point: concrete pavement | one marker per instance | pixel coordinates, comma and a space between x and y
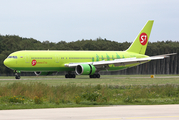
132, 112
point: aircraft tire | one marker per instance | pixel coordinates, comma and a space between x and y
66, 76
91, 76
97, 75
73, 76
17, 77
94, 76
70, 76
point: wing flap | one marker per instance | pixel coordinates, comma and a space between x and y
126, 61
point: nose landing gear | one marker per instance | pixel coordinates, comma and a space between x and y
17, 74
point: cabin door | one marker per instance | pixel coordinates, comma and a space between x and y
27, 59
57, 58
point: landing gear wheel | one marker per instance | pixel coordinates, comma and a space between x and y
91, 76
17, 76
67, 76
70, 76
95, 75
73, 76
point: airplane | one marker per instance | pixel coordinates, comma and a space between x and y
45, 62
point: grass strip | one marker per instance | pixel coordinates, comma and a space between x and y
19, 95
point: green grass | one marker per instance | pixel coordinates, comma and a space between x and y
56, 91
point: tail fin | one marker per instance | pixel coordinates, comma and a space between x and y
140, 43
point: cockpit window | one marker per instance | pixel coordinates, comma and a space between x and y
15, 57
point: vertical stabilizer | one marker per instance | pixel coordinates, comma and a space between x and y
140, 43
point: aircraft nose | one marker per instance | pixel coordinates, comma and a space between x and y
6, 62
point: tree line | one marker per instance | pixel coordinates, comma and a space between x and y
12, 43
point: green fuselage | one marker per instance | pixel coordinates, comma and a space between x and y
29, 60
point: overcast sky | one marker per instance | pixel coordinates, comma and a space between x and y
72, 20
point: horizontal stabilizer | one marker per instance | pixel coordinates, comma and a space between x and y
165, 55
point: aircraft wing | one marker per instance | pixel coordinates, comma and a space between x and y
120, 62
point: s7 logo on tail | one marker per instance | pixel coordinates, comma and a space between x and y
143, 38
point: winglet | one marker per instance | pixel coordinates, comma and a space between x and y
140, 43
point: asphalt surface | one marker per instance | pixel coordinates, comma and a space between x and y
123, 112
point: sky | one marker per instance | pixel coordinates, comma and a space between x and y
72, 20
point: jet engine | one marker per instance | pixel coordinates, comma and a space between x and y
85, 69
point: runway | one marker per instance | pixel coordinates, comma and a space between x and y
103, 77
122, 112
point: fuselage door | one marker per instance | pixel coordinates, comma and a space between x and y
27, 59
57, 58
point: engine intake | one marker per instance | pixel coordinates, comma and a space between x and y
85, 69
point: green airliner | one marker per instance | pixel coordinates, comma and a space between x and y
45, 62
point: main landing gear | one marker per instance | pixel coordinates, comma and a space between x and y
70, 76
95, 75
17, 75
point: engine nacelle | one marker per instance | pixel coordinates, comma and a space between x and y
85, 69
43, 73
